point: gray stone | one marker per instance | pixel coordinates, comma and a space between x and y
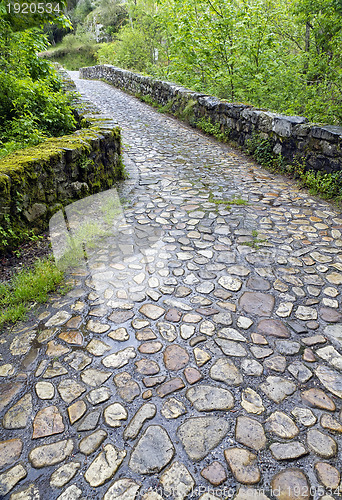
145, 412
300, 371
172, 408
278, 388
29, 493
70, 389
71, 493
210, 398
250, 432
251, 401
90, 443
64, 474
115, 414
321, 444
18, 416
225, 371
230, 348
120, 358
100, 395
283, 426
94, 377
90, 421
330, 379
153, 451
45, 390
200, 435
288, 451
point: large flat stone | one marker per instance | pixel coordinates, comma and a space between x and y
273, 328
330, 379
51, 454
200, 435
210, 398
18, 416
153, 451
257, 303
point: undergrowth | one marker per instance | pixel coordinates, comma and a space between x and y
26, 288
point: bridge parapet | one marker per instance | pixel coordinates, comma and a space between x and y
317, 147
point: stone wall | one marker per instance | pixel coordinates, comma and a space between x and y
318, 146
37, 181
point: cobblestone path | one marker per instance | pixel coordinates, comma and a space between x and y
198, 354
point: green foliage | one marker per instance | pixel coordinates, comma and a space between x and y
282, 55
255, 241
26, 287
13, 236
326, 185
75, 51
214, 129
32, 103
262, 151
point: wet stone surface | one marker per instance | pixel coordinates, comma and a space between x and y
186, 358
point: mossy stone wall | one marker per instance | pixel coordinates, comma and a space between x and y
37, 181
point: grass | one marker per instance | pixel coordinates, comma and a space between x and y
255, 240
28, 287
233, 201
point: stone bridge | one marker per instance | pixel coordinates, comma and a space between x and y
197, 354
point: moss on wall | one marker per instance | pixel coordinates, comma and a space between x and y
35, 182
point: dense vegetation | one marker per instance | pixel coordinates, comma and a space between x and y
283, 55
32, 103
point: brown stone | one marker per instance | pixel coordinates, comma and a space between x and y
291, 484
146, 334
250, 432
175, 357
73, 337
56, 349
243, 465
172, 385
318, 399
330, 315
215, 473
8, 391
192, 375
152, 311
328, 475
257, 283
147, 367
74, 322
10, 451
127, 388
308, 355
273, 328
47, 422
76, 411
150, 347
330, 423
173, 315
152, 381
260, 304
